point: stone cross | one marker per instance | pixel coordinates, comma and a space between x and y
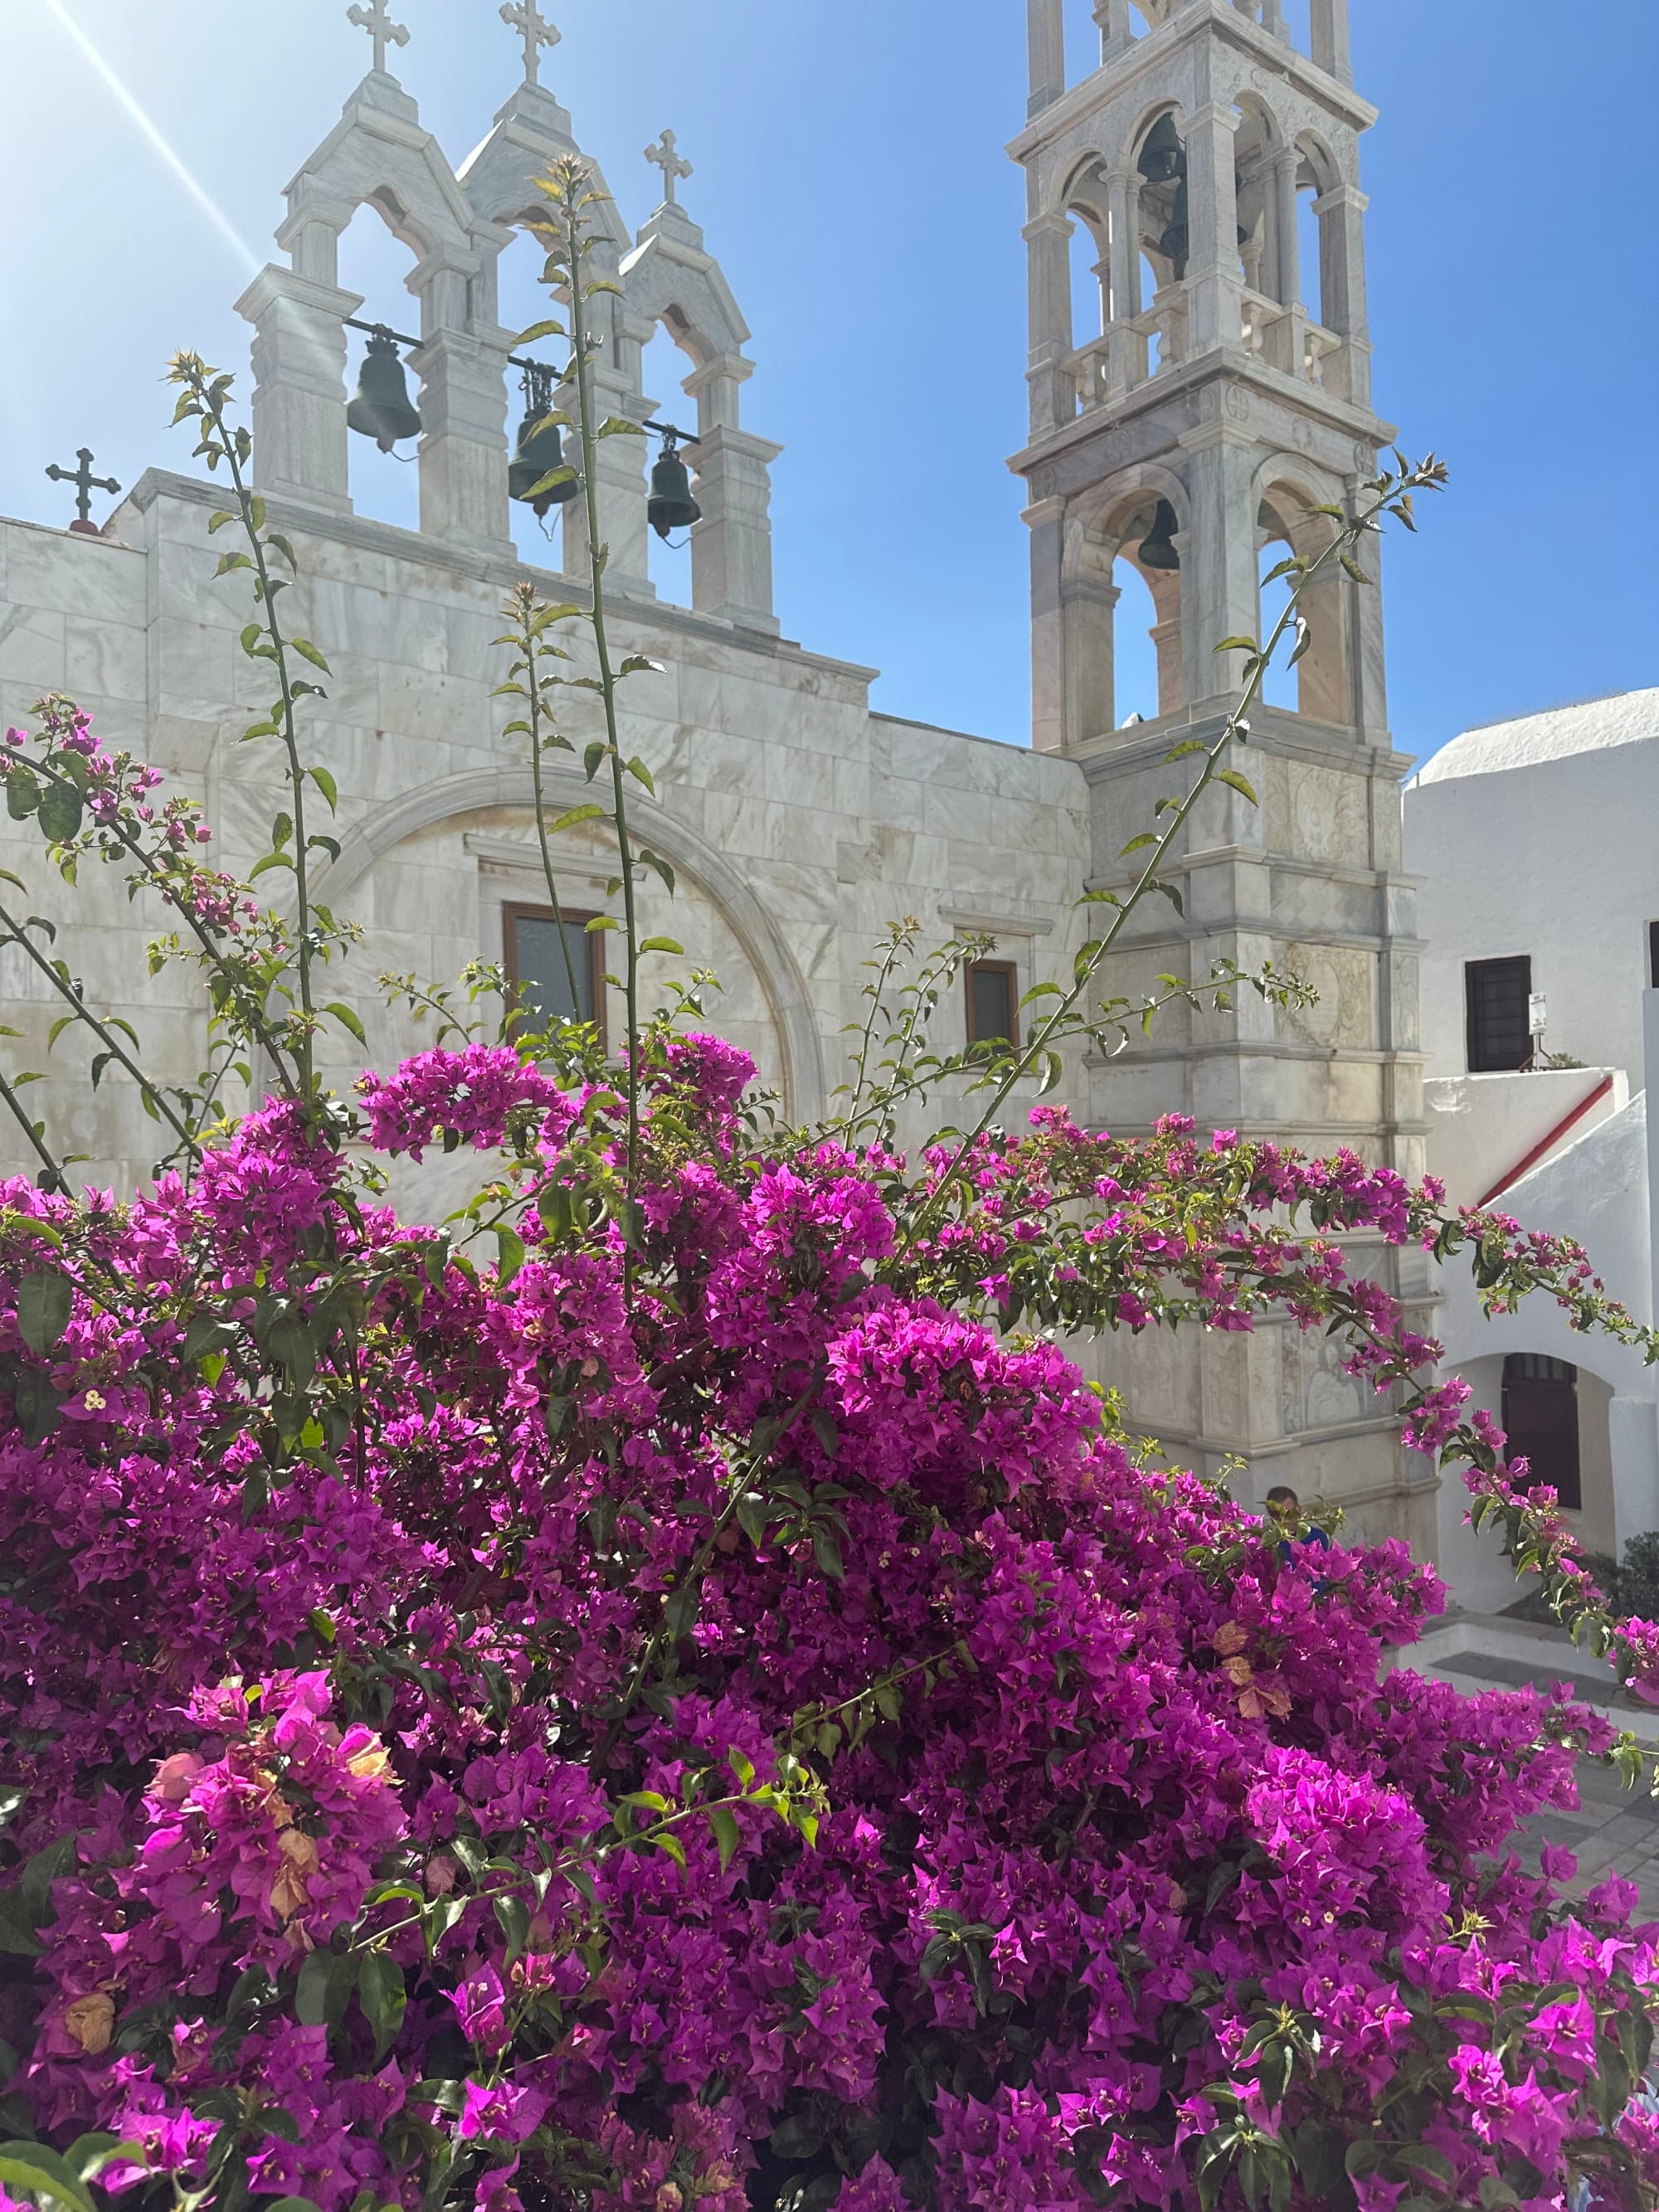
380, 27
85, 484
666, 156
525, 16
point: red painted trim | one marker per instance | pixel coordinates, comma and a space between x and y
1548, 1145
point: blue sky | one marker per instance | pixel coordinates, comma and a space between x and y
851, 178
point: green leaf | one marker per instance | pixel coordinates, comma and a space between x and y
45, 1301
60, 812
1231, 776
573, 815
307, 651
324, 1989
1237, 645
347, 1020
380, 1992
326, 783
661, 945
22, 792
287, 1341
656, 862
43, 2174
229, 562
510, 1248
550, 330
727, 1836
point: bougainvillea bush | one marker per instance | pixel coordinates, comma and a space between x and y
672, 1690
721, 1721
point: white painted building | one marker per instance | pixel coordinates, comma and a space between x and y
1537, 844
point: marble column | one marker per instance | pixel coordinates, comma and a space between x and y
1053, 388
463, 370
1287, 275
1343, 305
1116, 35
1046, 22
299, 389
1047, 524
1330, 39
731, 546
1215, 281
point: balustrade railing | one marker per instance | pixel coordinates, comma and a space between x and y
1146, 346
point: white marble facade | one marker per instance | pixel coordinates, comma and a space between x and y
800, 823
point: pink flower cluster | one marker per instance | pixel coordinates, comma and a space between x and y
399, 1770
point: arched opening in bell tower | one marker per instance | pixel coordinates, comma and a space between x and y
1122, 589
665, 362
1317, 686
375, 260
524, 301
1136, 622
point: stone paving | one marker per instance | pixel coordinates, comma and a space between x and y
1614, 1829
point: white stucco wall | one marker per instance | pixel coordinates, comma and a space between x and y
1481, 1127
1543, 843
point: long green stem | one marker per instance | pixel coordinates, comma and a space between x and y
55, 1179
1022, 1065
532, 649
597, 554
305, 1054
72, 997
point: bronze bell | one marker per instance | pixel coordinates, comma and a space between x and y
1157, 548
540, 452
1163, 158
381, 408
672, 506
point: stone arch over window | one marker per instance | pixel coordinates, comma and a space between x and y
453, 799
1286, 498
1104, 544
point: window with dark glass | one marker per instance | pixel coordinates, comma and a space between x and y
993, 1002
1500, 1032
1541, 1418
1653, 955
540, 969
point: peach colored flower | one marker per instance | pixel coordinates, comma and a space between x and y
89, 2023
175, 1775
291, 1891
371, 1762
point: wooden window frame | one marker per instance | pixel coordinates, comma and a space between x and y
1473, 969
513, 911
1011, 969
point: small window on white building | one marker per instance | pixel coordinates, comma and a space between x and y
539, 969
1541, 1419
993, 1002
1653, 955
1499, 994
